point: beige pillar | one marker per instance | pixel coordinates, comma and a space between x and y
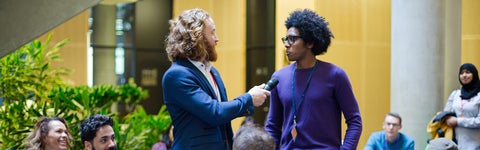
422, 54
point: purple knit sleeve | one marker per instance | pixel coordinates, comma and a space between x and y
349, 107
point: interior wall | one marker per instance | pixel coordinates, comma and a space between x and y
362, 48
230, 20
471, 32
74, 54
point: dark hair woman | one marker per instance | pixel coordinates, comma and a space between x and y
465, 103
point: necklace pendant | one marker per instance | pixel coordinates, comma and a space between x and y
294, 132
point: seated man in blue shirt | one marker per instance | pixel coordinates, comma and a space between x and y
390, 138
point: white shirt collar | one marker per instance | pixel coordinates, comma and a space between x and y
202, 66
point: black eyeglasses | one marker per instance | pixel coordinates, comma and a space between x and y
290, 39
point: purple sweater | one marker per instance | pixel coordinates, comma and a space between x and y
319, 114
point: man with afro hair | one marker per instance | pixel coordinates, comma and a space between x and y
307, 104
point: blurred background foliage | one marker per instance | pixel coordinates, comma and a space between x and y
30, 88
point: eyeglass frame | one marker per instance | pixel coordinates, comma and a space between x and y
291, 39
395, 125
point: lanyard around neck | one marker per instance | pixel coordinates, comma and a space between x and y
304, 91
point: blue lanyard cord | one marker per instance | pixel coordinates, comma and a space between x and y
304, 91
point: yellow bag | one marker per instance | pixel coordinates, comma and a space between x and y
438, 128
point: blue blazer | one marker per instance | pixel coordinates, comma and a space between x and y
200, 120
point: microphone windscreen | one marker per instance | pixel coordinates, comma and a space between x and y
271, 84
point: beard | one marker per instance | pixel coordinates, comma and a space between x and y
110, 148
211, 52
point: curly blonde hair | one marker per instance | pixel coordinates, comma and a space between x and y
186, 38
34, 141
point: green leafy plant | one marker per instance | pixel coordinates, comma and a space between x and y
82, 101
30, 89
25, 76
141, 131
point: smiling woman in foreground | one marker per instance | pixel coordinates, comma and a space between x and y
49, 134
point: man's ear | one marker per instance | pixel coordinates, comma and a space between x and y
309, 45
88, 145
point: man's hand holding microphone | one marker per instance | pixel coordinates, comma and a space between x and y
261, 92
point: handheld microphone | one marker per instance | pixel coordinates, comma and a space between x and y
271, 84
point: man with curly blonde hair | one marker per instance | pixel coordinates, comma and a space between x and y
193, 90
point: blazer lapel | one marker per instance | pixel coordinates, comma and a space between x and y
204, 84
